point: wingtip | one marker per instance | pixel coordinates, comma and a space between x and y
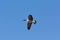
35, 22
24, 20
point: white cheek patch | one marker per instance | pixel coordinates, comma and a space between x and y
33, 21
27, 20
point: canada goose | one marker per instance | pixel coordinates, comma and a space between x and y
30, 20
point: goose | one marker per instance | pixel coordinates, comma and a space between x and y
30, 21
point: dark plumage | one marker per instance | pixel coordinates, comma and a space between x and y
30, 21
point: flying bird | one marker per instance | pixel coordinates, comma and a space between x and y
30, 21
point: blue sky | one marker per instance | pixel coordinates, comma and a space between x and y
46, 12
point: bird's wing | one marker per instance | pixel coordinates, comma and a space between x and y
29, 26
35, 22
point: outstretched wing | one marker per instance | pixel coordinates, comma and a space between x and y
35, 22
29, 26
